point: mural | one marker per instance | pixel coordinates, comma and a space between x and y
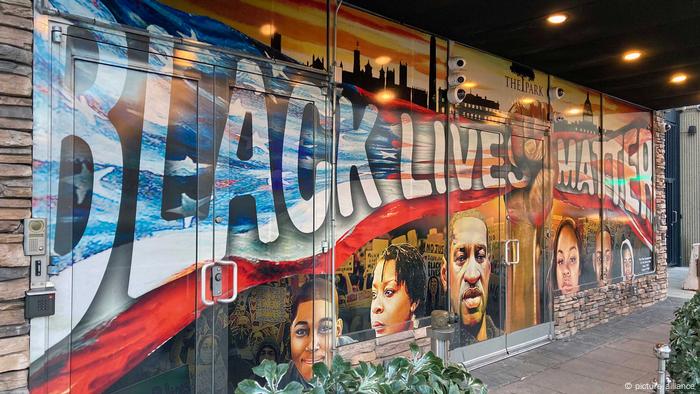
628, 167
581, 260
154, 158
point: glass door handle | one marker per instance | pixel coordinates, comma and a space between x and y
509, 260
203, 283
517, 251
234, 284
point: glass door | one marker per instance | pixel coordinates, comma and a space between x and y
125, 116
476, 278
497, 277
264, 291
526, 286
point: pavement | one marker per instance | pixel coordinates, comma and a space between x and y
676, 277
614, 357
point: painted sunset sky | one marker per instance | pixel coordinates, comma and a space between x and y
302, 25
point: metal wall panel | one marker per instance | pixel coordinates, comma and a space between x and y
690, 181
673, 189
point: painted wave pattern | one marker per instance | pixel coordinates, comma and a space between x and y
86, 114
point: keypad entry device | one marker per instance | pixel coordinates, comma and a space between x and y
40, 302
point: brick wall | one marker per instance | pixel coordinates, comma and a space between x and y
594, 306
15, 187
387, 347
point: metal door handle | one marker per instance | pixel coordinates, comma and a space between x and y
510, 261
517, 252
203, 283
675, 217
234, 284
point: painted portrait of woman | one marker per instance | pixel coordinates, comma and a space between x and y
567, 258
398, 289
312, 329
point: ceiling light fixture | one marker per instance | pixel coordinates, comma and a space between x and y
631, 56
527, 100
678, 78
469, 84
557, 19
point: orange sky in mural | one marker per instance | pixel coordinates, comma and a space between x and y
574, 99
618, 113
379, 37
302, 24
303, 28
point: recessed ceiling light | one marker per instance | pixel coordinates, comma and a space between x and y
469, 84
527, 100
630, 56
678, 78
574, 111
556, 19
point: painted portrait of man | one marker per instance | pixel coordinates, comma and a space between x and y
398, 289
467, 271
567, 258
603, 256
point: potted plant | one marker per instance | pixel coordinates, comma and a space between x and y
684, 362
421, 373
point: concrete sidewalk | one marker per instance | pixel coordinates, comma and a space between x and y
602, 359
676, 278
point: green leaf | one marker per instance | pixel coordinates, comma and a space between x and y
267, 370
292, 388
415, 350
397, 368
321, 371
317, 390
249, 386
339, 365
280, 372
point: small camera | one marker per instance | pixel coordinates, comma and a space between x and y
556, 93
667, 126
456, 95
456, 62
456, 79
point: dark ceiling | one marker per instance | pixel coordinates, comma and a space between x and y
586, 49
